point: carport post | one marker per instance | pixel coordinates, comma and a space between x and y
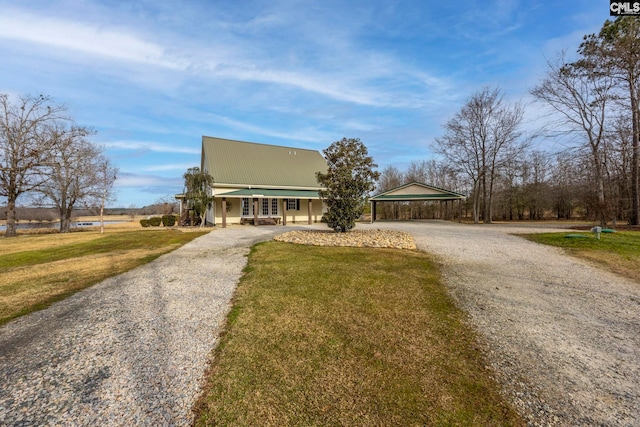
373, 211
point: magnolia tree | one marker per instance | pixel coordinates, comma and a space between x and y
349, 179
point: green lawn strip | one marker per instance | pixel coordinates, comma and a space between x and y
108, 243
617, 252
322, 336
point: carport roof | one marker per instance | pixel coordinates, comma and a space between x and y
416, 191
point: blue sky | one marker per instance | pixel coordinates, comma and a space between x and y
152, 77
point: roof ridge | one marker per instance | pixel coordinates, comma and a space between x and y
261, 144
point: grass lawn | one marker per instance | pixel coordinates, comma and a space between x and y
37, 270
322, 336
617, 252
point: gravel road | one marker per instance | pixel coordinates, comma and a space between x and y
563, 336
130, 351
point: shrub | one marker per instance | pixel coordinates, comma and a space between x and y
168, 220
144, 222
155, 221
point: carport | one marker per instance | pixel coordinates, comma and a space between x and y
417, 191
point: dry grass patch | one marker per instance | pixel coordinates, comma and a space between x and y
26, 242
347, 336
41, 269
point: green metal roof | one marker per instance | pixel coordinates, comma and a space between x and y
430, 193
409, 197
248, 163
272, 193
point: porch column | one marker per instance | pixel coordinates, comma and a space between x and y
255, 211
284, 211
224, 212
373, 211
310, 208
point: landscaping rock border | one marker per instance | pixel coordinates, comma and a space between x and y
354, 238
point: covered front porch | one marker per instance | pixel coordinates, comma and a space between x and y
265, 207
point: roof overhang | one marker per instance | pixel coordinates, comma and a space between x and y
271, 193
416, 191
414, 197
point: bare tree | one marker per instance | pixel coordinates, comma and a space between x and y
390, 178
615, 52
579, 98
73, 176
536, 170
479, 139
25, 146
167, 205
619, 152
133, 211
565, 186
106, 175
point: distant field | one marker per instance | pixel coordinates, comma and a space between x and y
124, 221
617, 252
39, 269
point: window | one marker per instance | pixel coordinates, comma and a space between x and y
293, 204
265, 206
246, 207
274, 206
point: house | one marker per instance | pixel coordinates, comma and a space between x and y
262, 184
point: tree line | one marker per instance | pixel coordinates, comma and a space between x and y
592, 113
44, 154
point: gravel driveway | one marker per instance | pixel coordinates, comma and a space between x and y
564, 337
130, 351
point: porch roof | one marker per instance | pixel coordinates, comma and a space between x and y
272, 193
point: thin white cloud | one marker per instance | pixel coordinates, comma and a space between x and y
333, 88
126, 179
88, 38
169, 167
305, 134
361, 126
151, 146
357, 83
